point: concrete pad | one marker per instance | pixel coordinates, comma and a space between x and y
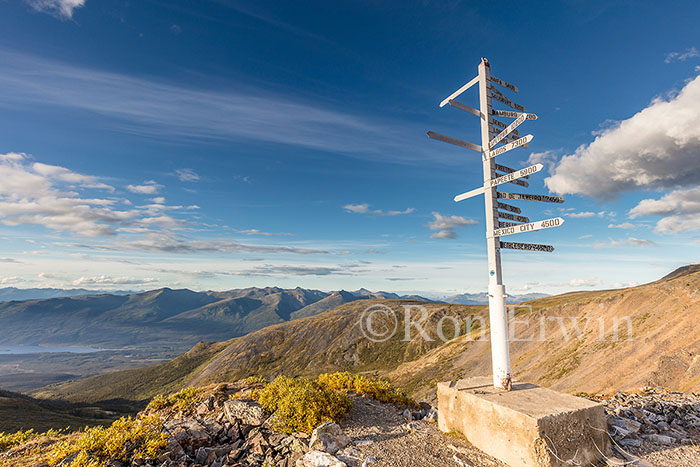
529, 426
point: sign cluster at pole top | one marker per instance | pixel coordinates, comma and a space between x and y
502, 138
498, 138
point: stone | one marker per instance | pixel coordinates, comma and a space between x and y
660, 439
329, 437
630, 442
187, 432
247, 412
526, 426
319, 459
369, 460
431, 415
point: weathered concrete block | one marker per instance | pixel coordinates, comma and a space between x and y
529, 426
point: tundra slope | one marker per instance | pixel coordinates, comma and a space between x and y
660, 350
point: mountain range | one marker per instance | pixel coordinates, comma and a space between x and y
12, 293
650, 336
162, 318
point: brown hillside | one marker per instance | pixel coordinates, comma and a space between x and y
660, 350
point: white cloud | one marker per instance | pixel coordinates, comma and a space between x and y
446, 234
445, 225
365, 209
624, 225
680, 208
10, 280
34, 193
628, 242
691, 52
584, 214
62, 9
187, 175
656, 148
112, 281
149, 187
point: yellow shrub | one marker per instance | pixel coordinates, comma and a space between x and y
378, 390
126, 439
10, 440
255, 379
180, 401
303, 404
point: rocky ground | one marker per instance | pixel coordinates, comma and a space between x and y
650, 428
655, 427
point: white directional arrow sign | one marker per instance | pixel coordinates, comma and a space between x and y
455, 141
513, 175
497, 181
507, 170
529, 227
511, 114
516, 123
505, 148
460, 91
470, 194
466, 108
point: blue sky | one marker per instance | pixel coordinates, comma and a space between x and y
220, 144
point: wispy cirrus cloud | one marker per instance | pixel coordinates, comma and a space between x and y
187, 175
690, 52
265, 234
627, 242
61, 9
162, 110
114, 281
365, 209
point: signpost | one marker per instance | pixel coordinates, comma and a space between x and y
508, 138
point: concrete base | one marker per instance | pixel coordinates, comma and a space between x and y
528, 426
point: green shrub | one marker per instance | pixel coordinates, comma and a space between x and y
302, 404
126, 439
381, 391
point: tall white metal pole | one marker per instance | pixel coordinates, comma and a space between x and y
500, 355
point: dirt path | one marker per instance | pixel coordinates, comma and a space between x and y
381, 432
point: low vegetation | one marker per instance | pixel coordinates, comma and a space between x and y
11, 440
302, 403
382, 391
180, 402
126, 439
298, 403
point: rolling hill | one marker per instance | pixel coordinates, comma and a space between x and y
656, 342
